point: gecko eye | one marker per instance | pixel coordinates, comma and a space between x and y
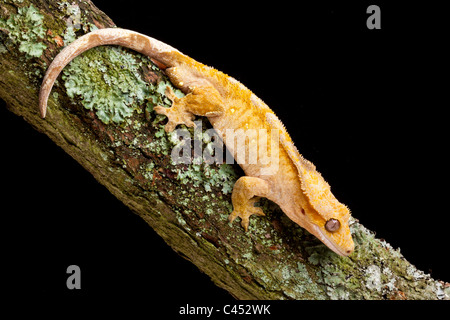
332, 225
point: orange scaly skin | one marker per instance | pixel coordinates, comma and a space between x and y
293, 183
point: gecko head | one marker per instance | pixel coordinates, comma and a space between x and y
320, 212
332, 228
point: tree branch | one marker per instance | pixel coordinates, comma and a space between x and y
100, 112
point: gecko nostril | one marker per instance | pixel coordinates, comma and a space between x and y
303, 210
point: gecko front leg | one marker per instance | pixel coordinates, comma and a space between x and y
177, 114
246, 192
202, 100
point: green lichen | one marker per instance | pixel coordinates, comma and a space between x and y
26, 29
107, 80
74, 15
2, 49
208, 176
374, 271
69, 36
343, 277
223, 177
148, 174
199, 173
73, 21
283, 275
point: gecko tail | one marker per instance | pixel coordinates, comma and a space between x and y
148, 46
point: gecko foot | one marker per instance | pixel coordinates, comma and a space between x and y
177, 114
244, 211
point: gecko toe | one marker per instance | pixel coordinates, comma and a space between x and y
170, 94
233, 215
245, 212
245, 222
189, 123
258, 211
170, 126
244, 219
160, 110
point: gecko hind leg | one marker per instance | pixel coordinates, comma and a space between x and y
246, 192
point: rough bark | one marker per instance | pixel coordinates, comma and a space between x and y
125, 147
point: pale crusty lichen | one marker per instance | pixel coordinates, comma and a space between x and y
373, 278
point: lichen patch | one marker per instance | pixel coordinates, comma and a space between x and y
106, 79
26, 30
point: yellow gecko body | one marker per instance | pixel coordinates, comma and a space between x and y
289, 180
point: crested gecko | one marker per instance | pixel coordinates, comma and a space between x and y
295, 184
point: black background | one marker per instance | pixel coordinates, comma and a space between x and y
365, 106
